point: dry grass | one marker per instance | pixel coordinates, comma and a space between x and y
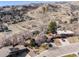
42, 48
70, 55
73, 39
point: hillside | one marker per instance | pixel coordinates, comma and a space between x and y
23, 20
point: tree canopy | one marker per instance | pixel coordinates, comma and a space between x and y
52, 27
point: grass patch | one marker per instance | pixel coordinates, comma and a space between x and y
70, 55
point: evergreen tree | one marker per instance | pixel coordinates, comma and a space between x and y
52, 27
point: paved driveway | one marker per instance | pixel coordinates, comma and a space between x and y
54, 52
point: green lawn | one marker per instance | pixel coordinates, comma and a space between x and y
70, 55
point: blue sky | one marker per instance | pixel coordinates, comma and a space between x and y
5, 3
16, 2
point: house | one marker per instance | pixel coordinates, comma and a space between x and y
65, 32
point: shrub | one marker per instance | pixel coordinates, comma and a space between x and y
45, 46
50, 45
33, 43
72, 20
35, 32
7, 42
